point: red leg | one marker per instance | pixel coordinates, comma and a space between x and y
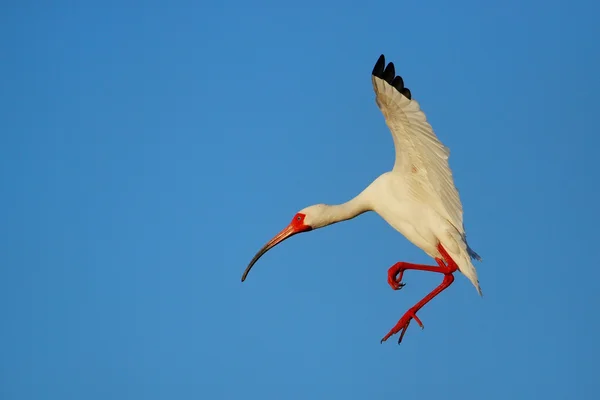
396, 271
395, 280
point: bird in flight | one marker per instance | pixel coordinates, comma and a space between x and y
417, 197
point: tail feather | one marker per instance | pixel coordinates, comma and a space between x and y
472, 254
462, 254
470, 251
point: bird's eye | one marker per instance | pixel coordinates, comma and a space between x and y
298, 218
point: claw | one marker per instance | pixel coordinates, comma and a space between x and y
403, 332
395, 282
402, 325
395, 276
418, 321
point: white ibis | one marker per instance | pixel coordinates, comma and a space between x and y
417, 197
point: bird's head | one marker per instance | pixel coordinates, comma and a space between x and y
305, 220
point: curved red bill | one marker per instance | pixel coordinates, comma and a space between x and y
296, 226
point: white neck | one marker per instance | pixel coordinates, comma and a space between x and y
345, 211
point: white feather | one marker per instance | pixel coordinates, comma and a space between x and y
419, 153
422, 162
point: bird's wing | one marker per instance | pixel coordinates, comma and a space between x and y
420, 156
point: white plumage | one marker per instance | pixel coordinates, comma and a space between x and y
422, 161
420, 157
417, 197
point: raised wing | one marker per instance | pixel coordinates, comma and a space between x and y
420, 156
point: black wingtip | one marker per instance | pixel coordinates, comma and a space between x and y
379, 67
388, 74
398, 83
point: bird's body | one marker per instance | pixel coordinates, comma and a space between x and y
389, 196
417, 197
420, 224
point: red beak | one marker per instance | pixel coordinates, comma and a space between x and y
295, 227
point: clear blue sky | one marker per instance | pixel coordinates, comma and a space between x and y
148, 151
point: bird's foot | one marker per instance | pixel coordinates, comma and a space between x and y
402, 325
395, 276
396, 271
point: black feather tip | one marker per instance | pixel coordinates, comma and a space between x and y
388, 74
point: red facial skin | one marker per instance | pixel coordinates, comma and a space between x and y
296, 226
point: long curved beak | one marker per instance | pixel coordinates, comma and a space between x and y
288, 232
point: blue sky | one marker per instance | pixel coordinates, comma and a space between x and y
147, 152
